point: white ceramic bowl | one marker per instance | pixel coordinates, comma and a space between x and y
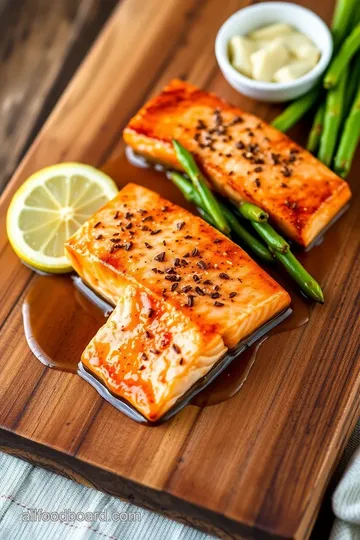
250, 18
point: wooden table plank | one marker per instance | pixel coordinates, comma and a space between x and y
256, 464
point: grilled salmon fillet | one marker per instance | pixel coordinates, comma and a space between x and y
177, 257
244, 158
150, 361
181, 289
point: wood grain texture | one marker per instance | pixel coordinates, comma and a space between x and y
41, 45
256, 465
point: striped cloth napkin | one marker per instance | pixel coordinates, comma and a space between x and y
36, 504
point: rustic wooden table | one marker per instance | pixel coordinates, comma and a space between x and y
41, 45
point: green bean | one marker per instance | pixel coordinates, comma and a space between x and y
252, 212
343, 13
349, 139
341, 61
334, 107
210, 204
296, 110
316, 130
302, 277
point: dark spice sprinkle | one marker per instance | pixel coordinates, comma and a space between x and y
188, 237
251, 134
177, 262
259, 161
217, 240
144, 228
199, 291
115, 247
196, 278
257, 182
202, 265
164, 242
286, 171
195, 252
116, 234
231, 173
116, 215
172, 277
97, 224
240, 145
154, 351
207, 282
275, 158
128, 226
176, 348
216, 287
186, 289
201, 124
114, 240
165, 208
181, 361
157, 231
223, 275
190, 300
170, 270
283, 185
150, 313
128, 246
184, 262
228, 155
99, 237
142, 211
149, 246
232, 294
144, 356
215, 295
147, 334
258, 169
147, 218
160, 257
174, 286
218, 304
129, 215
180, 225
141, 368
187, 255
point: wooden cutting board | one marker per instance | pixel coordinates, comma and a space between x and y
255, 465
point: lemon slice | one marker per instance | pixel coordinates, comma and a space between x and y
49, 207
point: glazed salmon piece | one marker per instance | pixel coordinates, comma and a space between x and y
149, 353
179, 259
245, 158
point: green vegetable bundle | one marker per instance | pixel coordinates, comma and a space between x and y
335, 133
272, 247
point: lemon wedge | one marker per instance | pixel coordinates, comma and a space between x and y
49, 207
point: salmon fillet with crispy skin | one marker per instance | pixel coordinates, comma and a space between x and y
184, 294
244, 158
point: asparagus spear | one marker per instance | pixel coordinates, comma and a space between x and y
316, 130
209, 202
253, 212
334, 106
186, 187
349, 139
305, 281
341, 61
343, 13
296, 110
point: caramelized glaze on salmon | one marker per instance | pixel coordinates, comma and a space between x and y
171, 274
245, 158
153, 360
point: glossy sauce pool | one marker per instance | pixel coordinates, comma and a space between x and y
61, 315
